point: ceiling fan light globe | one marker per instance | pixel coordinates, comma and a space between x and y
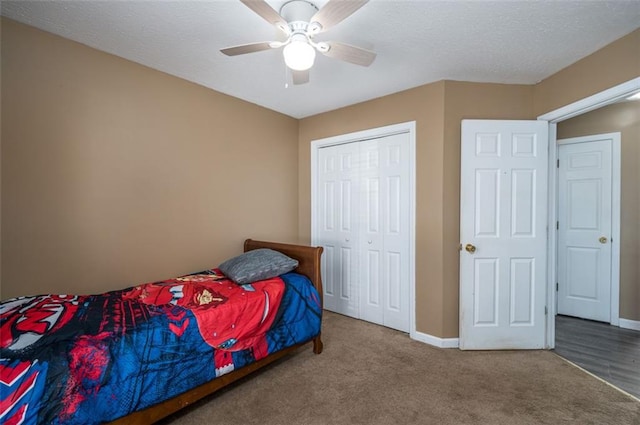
299, 55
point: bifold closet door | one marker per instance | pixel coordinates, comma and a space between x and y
363, 211
338, 179
384, 231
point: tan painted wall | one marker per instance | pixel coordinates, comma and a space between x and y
95, 184
114, 174
614, 64
621, 117
468, 101
424, 105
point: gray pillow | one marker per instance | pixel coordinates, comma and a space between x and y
258, 264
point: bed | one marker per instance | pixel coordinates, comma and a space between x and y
137, 355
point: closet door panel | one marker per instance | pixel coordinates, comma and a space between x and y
371, 239
327, 232
338, 204
394, 177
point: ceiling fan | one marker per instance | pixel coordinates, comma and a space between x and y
300, 21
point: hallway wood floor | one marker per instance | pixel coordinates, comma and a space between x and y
608, 352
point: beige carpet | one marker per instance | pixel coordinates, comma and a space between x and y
369, 374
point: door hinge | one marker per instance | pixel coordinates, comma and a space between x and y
558, 163
556, 286
557, 225
545, 310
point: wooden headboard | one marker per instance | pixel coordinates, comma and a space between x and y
307, 256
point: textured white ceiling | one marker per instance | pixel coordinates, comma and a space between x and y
417, 42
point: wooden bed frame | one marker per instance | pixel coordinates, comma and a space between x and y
309, 265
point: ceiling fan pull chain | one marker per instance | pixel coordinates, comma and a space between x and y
286, 76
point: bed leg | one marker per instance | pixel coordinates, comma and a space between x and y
317, 345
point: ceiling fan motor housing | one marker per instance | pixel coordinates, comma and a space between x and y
298, 10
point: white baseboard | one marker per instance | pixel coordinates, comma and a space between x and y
629, 324
454, 342
435, 341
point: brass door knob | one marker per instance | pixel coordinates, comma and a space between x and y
602, 239
470, 248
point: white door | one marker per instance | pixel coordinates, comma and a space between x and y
338, 180
584, 228
384, 231
503, 233
363, 225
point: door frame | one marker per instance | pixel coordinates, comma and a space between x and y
375, 133
590, 103
614, 317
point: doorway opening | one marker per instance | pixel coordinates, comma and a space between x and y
591, 103
588, 226
608, 346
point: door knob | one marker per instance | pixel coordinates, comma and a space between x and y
602, 239
470, 248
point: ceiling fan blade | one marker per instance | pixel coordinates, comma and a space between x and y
348, 53
334, 12
300, 77
267, 13
246, 48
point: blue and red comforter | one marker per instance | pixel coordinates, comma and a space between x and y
95, 358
